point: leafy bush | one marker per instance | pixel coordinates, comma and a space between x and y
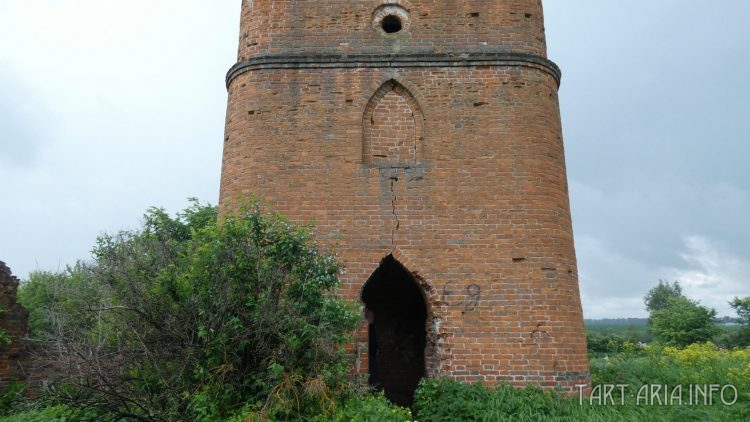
742, 307
741, 337
677, 320
50, 296
609, 344
683, 321
658, 297
187, 318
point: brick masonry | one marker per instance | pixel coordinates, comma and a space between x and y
439, 145
13, 320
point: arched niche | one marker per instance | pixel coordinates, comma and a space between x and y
393, 128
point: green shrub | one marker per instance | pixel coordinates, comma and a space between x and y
609, 344
189, 318
741, 337
68, 294
683, 321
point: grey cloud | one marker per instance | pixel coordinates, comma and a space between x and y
23, 121
655, 119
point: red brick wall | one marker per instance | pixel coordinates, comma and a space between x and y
13, 321
345, 26
454, 166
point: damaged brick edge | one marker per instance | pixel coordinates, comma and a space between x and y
14, 321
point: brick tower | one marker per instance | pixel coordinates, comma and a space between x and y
423, 139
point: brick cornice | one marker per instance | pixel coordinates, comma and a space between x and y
349, 61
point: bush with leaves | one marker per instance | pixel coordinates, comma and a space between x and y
54, 300
609, 344
658, 297
683, 322
189, 318
676, 320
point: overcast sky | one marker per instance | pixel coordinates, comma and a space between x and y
109, 107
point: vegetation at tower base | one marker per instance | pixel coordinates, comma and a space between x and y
187, 319
190, 319
444, 400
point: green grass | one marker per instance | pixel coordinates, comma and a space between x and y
444, 400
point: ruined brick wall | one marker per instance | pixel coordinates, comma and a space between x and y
13, 321
440, 145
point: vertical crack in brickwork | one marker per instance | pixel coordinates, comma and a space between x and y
394, 198
473, 135
415, 136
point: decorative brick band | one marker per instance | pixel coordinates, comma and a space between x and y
340, 61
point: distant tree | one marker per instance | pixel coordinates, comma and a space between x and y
742, 307
683, 322
49, 296
658, 297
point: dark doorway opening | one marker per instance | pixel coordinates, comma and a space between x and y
397, 314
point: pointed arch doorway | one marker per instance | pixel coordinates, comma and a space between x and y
396, 311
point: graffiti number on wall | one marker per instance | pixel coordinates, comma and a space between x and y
468, 299
475, 295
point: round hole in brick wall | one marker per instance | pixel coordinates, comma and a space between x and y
391, 24
391, 19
